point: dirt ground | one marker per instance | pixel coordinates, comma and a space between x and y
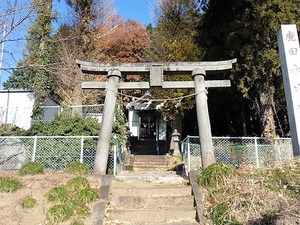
37, 186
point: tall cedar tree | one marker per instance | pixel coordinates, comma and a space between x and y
84, 14
247, 30
173, 40
34, 68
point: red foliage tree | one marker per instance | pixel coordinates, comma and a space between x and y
125, 43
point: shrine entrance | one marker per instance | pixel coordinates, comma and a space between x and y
147, 127
155, 72
146, 143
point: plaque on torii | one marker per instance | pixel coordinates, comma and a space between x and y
155, 71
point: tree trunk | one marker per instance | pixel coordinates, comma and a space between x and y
244, 124
266, 114
77, 100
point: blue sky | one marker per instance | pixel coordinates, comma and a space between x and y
139, 10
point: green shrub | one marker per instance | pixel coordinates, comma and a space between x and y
31, 168
76, 195
66, 123
58, 155
8, 184
77, 168
119, 126
28, 202
221, 215
214, 174
85, 196
129, 167
110, 172
59, 213
78, 183
9, 130
58, 194
83, 212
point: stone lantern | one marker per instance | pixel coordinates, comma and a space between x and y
175, 143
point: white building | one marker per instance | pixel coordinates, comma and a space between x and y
16, 107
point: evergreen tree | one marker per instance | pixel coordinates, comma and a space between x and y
84, 17
173, 40
33, 72
246, 30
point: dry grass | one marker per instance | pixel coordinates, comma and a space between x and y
266, 195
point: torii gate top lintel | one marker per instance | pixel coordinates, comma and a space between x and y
145, 67
156, 71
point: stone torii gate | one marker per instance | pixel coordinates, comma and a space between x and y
114, 71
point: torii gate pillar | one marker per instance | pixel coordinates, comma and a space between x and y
107, 122
208, 156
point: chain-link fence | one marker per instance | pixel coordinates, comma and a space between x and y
238, 151
55, 153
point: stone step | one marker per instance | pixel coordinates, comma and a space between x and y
167, 223
151, 215
132, 190
150, 197
150, 177
150, 157
150, 163
150, 168
156, 158
159, 202
148, 173
145, 184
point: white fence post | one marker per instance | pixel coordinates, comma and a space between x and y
115, 158
277, 151
189, 155
256, 152
81, 149
34, 148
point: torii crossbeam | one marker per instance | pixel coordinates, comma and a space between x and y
114, 71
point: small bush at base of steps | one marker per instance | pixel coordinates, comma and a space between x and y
221, 215
8, 184
28, 202
214, 175
59, 213
77, 168
31, 168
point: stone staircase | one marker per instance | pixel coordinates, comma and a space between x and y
150, 163
150, 195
